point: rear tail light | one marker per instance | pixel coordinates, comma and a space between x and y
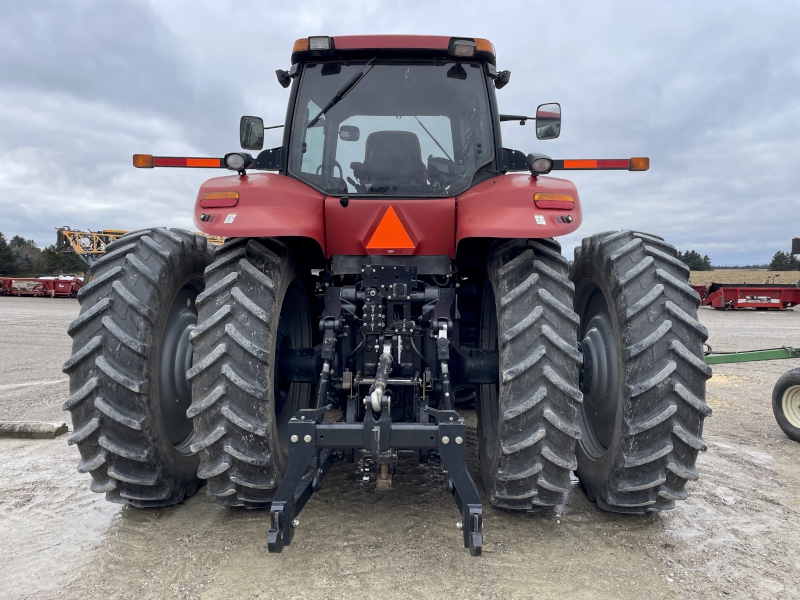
558, 201
219, 199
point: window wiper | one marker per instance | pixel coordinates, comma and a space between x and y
343, 91
433, 138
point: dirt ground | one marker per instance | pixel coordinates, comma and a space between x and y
744, 276
738, 535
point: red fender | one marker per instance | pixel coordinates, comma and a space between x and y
503, 207
270, 205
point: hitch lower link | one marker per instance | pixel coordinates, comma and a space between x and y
314, 446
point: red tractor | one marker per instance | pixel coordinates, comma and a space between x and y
388, 259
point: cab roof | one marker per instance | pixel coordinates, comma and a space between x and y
390, 45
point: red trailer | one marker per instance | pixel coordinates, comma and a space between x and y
52, 287
61, 287
22, 286
736, 296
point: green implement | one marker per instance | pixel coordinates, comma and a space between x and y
719, 358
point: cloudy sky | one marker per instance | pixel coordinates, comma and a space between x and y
709, 90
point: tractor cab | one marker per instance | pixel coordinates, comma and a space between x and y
395, 120
404, 128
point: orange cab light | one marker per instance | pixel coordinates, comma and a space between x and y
219, 199
300, 45
641, 163
482, 45
143, 161
548, 200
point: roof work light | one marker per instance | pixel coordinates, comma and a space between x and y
462, 48
320, 42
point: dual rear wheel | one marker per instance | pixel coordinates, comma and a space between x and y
626, 411
173, 376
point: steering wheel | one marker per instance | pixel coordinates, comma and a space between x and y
335, 164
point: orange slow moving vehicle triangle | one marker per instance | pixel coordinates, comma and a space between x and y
390, 233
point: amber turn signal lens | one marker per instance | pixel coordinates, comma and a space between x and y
143, 161
548, 200
219, 199
300, 45
641, 163
482, 45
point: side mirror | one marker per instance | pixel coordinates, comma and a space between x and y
251, 133
283, 78
502, 79
349, 133
548, 121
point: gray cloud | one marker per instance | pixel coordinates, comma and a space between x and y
707, 90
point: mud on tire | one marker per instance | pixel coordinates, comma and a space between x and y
643, 377
127, 373
527, 425
254, 306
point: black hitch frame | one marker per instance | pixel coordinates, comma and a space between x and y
314, 446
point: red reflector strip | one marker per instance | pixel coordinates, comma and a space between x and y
219, 199
554, 204
174, 161
219, 202
613, 163
550, 200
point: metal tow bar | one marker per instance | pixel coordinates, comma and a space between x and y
314, 446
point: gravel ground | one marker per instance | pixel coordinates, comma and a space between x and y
738, 535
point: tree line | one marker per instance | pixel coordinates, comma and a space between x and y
781, 261
695, 261
23, 258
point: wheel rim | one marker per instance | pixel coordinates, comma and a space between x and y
176, 358
791, 405
294, 331
599, 376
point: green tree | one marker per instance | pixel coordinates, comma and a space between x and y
695, 261
51, 262
26, 254
783, 261
8, 262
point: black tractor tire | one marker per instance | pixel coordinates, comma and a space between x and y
255, 304
643, 376
129, 392
527, 424
786, 403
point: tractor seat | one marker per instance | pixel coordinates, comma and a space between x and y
391, 156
